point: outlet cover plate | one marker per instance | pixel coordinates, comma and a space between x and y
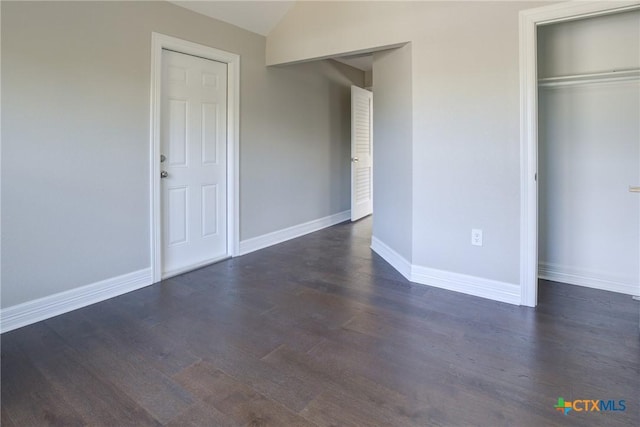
476, 237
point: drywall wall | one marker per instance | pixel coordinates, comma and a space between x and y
465, 117
295, 148
75, 134
589, 154
604, 43
317, 29
392, 148
466, 172
368, 78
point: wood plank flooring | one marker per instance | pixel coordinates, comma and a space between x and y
319, 331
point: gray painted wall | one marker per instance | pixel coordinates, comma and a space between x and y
465, 116
589, 45
467, 138
75, 133
392, 148
589, 145
295, 148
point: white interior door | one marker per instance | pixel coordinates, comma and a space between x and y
193, 162
361, 153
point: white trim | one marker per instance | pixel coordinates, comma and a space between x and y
471, 285
587, 278
30, 312
279, 236
590, 79
0, 163
396, 260
528, 162
529, 21
159, 42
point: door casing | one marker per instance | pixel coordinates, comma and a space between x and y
158, 43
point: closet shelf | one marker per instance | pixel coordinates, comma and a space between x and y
581, 79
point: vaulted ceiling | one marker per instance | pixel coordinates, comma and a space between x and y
256, 16
259, 17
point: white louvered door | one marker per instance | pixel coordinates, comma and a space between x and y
194, 162
361, 153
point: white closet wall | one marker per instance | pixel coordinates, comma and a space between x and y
589, 153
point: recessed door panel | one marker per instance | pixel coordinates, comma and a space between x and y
210, 211
178, 132
209, 133
177, 216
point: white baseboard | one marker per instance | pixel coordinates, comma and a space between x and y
44, 308
279, 236
30, 312
587, 278
471, 285
396, 260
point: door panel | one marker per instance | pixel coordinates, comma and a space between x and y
177, 215
209, 210
361, 153
177, 153
210, 141
193, 140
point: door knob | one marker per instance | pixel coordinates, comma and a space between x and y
634, 189
164, 174
355, 159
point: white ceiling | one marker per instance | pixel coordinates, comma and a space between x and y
256, 16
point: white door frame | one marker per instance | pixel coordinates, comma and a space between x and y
159, 42
529, 21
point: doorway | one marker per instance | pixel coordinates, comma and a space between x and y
361, 136
193, 156
589, 152
530, 20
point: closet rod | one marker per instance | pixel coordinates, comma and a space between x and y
610, 76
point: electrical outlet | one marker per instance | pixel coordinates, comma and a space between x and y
476, 237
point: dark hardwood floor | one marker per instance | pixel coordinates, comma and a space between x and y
321, 331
